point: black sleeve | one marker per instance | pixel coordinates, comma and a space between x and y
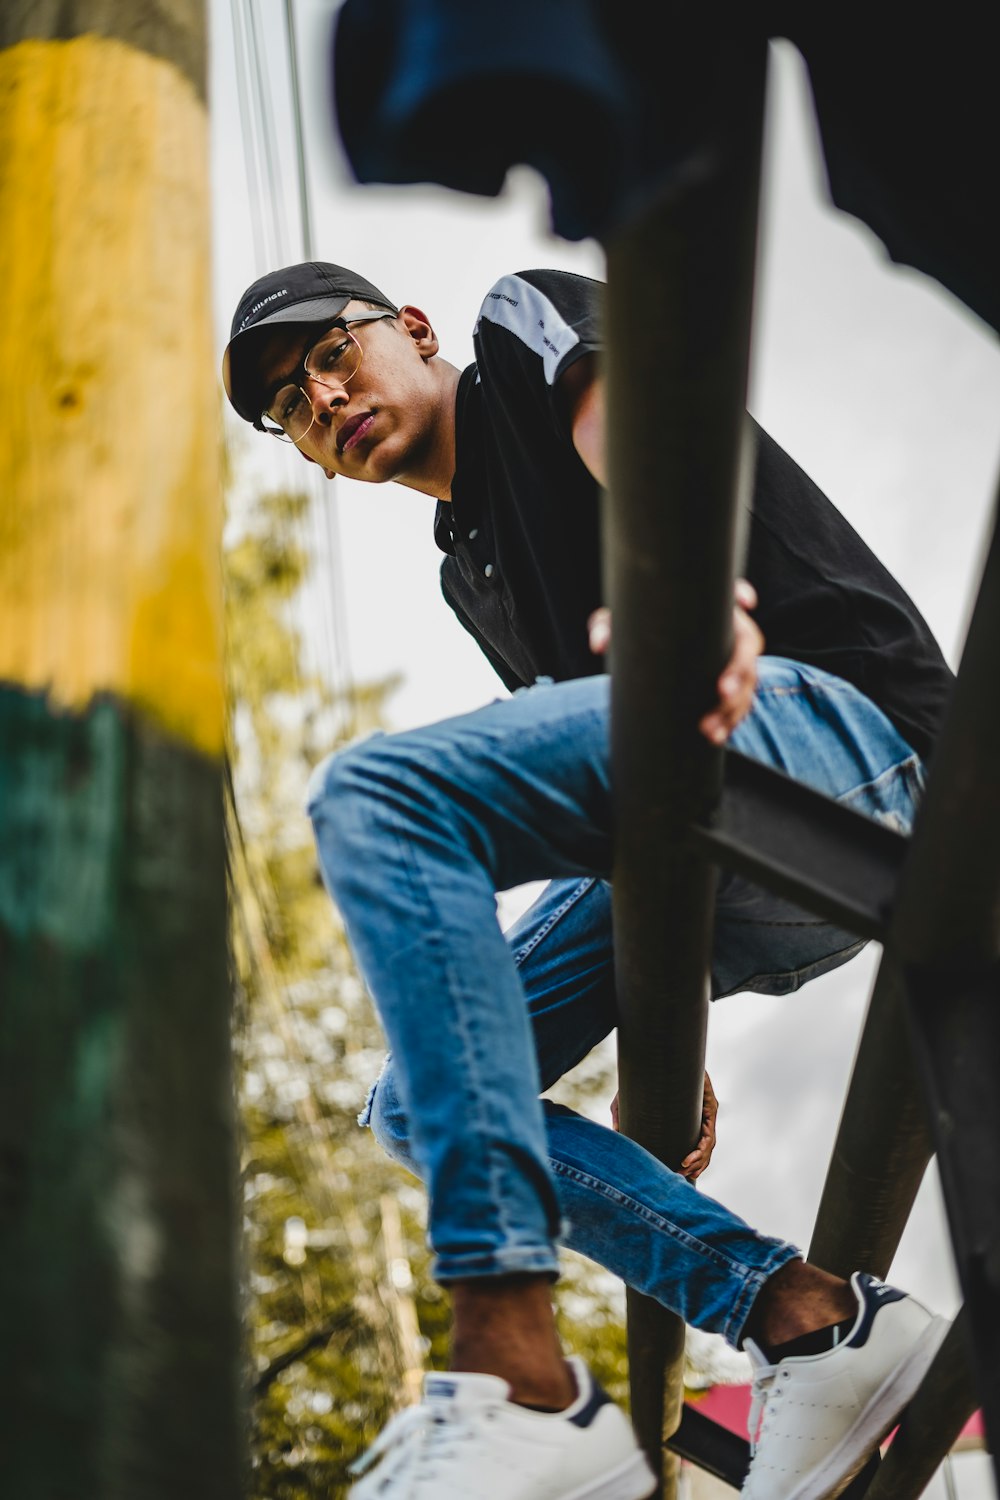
827, 600
504, 671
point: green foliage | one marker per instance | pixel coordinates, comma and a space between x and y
324, 1352
340, 1304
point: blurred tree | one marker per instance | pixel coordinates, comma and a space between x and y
333, 1322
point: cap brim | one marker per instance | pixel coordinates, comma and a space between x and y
311, 310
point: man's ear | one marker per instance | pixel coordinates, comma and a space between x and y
418, 327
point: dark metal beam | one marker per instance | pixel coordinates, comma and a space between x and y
947, 930
949, 899
933, 1420
933, 1034
955, 1019
711, 1446
790, 838
679, 291
868, 1193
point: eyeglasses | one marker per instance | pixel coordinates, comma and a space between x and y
332, 361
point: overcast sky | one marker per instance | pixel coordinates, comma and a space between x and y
879, 383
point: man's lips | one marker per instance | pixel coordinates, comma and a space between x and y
354, 430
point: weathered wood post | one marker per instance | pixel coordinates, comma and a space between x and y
119, 1323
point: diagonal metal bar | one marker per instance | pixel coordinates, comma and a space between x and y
870, 1188
949, 901
790, 838
933, 1420
711, 1446
947, 930
955, 1019
702, 1441
929, 1056
679, 293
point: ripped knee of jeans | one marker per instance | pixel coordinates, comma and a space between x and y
365, 1115
383, 1115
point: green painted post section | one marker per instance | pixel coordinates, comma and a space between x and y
117, 1188
119, 1317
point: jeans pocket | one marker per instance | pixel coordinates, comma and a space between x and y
891, 799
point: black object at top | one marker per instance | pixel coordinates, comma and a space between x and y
906, 113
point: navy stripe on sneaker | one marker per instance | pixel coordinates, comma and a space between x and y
874, 1294
588, 1411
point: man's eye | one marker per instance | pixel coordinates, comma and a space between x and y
333, 354
288, 403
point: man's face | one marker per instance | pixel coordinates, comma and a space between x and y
376, 425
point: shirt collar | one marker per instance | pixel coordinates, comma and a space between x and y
468, 454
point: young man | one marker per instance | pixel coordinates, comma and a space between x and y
417, 831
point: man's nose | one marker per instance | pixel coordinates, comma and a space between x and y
324, 396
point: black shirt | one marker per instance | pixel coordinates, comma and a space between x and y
522, 531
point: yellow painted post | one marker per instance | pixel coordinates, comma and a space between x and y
119, 1329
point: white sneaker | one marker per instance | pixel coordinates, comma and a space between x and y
467, 1441
816, 1419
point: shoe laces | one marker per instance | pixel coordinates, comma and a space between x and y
764, 1391
418, 1437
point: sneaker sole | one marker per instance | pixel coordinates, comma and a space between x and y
632, 1480
879, 1417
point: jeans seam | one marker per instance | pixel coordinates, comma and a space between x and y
731, 921
771, 977
576, 895
808, 686
650, 1215
750, 1278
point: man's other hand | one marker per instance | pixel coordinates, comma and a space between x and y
697, 1160
739, 676
599, 630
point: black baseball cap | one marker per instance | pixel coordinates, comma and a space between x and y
310, 292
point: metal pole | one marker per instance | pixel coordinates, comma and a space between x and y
947, 930
868, 1194
120, 1329
678, 310
936, 1002
931, 1423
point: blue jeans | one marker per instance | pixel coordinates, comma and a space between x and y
416, 832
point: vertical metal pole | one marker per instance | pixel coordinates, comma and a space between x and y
120, 1328
678, 311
